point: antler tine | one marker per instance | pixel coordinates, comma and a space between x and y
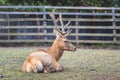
61, 21
68, 23
69, 29
54, 20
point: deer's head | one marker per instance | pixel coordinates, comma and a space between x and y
61, 35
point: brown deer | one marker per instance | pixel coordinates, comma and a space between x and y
47, 60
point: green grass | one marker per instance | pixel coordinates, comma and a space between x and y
84, 64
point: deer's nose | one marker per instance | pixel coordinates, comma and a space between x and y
74, 49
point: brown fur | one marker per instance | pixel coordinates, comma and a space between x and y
54, 53
47, 60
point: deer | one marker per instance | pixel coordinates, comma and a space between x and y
46, 60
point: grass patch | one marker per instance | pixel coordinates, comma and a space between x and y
84, 64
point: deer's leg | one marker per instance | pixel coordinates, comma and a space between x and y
34, 69
53, 67
58, 67
28, 67
37, 66
49, 69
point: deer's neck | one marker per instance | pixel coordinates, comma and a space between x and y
55, 51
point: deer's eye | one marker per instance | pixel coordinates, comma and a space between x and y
67, 42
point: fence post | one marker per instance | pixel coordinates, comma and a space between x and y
44, 23
114, 25
8, 24
77, 31
44, 16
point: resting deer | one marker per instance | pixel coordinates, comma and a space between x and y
47, 60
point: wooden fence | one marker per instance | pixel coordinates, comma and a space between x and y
33, 24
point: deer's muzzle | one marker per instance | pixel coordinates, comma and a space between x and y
73, 49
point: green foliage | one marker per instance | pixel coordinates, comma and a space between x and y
99, 3
3, 2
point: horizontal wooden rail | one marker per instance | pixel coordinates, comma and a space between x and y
64, 19
51, 27
45, 41
25, 34
96, 41
52, 34
22, 19
62, 7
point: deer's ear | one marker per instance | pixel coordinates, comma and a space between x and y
58, 32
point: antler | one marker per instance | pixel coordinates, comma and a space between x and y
54, 21
61, 21
53, 18
62, 24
